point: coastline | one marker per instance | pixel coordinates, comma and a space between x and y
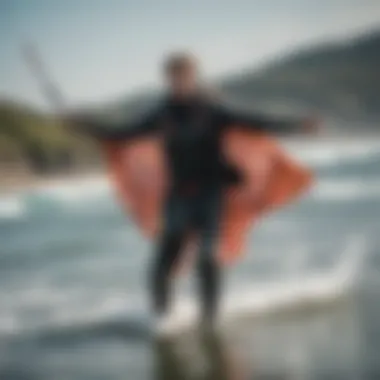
18, 183
15, 179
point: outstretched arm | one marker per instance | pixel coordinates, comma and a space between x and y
229, 116
108, 131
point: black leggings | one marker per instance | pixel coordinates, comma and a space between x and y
199, 213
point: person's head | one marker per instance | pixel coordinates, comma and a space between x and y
181, 72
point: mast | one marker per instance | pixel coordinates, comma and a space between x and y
49, 89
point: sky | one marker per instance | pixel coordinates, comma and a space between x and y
100, 49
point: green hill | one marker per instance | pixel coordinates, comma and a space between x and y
341, 78
38, 141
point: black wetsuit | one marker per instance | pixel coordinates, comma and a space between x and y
192, 132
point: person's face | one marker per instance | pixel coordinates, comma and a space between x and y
182, 82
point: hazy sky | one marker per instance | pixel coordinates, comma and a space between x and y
98, 49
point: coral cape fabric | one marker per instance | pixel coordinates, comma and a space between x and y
270, 179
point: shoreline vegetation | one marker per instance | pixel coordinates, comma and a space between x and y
35, 148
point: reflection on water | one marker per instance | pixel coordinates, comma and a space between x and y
326, 345
209, 358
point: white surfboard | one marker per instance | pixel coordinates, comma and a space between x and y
311, 289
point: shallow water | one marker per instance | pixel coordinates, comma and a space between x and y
303, 304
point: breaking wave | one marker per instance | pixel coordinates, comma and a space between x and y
12, 207
69, 313
346, 189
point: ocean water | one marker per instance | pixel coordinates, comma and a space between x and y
302, 304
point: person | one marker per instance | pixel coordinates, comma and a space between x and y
192, 123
